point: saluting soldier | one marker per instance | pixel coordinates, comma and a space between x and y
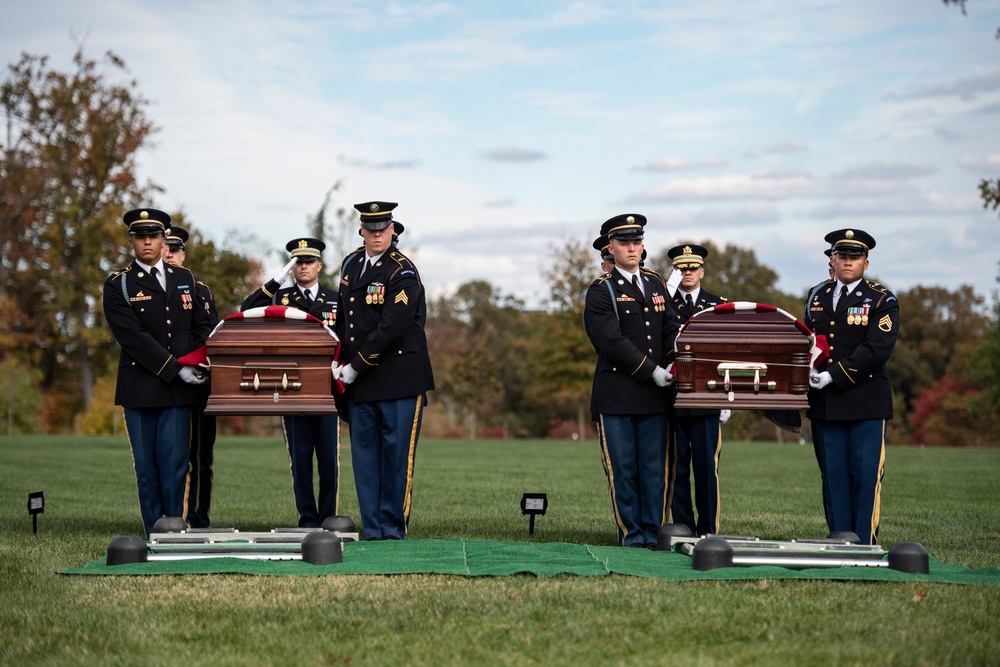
850, 398
306, 435
151, 309
698, 436
387, 371
198, 496
630, 322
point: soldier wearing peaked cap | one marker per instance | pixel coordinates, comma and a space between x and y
603, 246
198, 491
386, 369
630, 322
150, 308
850, 398
307, 435
698, 436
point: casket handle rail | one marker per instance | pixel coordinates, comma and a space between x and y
256, 384
735, 369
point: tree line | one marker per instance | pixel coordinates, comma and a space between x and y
68, 171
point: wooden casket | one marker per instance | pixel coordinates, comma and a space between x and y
271, 364
743, 356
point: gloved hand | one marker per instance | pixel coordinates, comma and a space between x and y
280, 276
336, 369
819, 380
724, 416
348, 374
662, 377
191, 376
674, 280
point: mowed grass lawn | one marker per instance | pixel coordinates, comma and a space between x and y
948, 500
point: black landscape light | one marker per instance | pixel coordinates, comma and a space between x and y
534, 504
36, 505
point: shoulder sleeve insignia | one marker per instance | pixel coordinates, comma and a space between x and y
885, 324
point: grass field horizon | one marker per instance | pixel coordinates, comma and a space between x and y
946, 499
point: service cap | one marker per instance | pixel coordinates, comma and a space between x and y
376, 215
146, 221
624, 227
688, 256
305, 248
854, 242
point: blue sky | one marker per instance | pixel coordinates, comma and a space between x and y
503, 129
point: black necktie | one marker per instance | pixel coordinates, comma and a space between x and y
690, 302
154, 272
840, 299
308, 295
364, 269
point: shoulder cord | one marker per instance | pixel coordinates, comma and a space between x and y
614, 304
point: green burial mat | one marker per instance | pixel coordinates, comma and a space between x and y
481, 558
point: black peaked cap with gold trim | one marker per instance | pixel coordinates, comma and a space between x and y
176, 237
854, 242
688, 256
306, 247
376, 215
624, 227
146, 221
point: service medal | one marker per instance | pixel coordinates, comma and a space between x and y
368, 299
850, 319
864, 320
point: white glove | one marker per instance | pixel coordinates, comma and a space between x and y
662, 377
191, 376
819, 380
674, 280
348, 374
724, 416
336, 369
280, 276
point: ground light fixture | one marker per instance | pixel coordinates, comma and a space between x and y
36, 505
533, 504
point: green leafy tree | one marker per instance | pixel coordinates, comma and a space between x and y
68, 171
340, 234
561, 357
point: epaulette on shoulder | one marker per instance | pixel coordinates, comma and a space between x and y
400, 258
121, 271
876, 286
650, 272
601, 278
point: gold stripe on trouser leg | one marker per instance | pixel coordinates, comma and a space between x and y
131, 452
192, 469
409, 462
670, 473
336, 496
877, 504
288, 450
718, 496
610, 473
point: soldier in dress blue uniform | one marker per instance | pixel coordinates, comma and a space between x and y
387, 371
850, 398
632, 325
151, 310
698, 436
603, 246
306, 435
198, 495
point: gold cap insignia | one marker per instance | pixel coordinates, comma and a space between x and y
687, 250
849, 233
373, 208
143, 215
630, 220
303, 243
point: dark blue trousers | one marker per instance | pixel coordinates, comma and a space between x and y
160, 440
305, 436
699, 445
384, 438
853, 464
199, 486
634, 454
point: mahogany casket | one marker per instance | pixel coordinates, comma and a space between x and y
743, 356
274, 364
